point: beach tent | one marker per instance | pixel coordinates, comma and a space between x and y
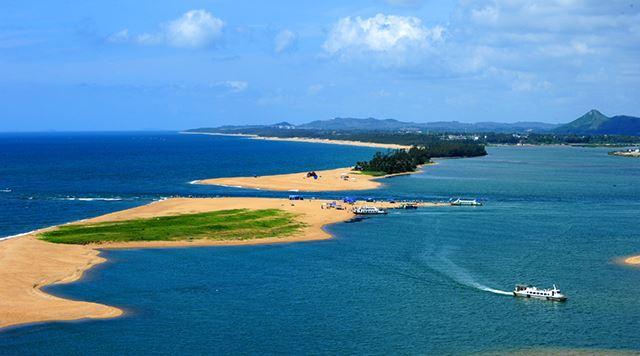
349, 200
296, 197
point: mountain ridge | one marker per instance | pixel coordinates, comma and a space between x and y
591, 123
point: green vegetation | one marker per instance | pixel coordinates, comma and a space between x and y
401, 161
558, 139
442, 140
239, 224
374, 173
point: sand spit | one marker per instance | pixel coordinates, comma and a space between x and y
27, 264
328, 180
391, 146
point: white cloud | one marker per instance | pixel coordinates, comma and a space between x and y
381, 34
554, 38
194, 29
119, 37
148, 39
284, 40
236, 86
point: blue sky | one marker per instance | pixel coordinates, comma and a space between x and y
130, 65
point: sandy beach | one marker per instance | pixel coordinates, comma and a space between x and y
328, 180
391, 146
27, 263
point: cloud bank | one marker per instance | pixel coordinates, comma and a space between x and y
388, 36
194, 29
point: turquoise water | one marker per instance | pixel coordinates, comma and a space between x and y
411, 282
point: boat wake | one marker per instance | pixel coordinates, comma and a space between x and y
441, 263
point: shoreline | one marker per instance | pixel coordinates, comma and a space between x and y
27, 264
391, 146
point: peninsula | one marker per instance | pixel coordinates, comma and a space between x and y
30, 262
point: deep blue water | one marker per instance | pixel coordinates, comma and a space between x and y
57, 178
411, 282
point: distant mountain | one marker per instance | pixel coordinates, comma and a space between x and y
596, 123
279, 125
369, 124
591, 123
348, 123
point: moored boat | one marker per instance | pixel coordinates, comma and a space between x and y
368, 210
529, 291
466, 202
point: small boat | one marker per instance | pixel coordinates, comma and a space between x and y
530, 291
466, 202
368, 210
7, 190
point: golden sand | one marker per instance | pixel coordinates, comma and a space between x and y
328, 180
635, 260
27, 263
309, 140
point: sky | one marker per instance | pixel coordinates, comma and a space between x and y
169, 65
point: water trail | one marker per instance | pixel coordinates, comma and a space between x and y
441, 263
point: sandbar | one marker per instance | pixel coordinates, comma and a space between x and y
27, 264
391, 146
328, 180
634, 260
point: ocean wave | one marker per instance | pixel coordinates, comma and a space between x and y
91, 199
17, 235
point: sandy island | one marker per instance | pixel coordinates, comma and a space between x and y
328, 180
392, 146
634, 260
27, 263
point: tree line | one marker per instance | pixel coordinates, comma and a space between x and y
401, 161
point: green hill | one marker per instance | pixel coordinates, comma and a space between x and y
596, 123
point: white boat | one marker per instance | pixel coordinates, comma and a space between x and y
466, 202
368, 210
530, 291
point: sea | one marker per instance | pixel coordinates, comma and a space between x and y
426, 281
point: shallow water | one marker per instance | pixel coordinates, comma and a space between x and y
411, 282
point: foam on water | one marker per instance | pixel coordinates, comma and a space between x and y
91, 199
17, 235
